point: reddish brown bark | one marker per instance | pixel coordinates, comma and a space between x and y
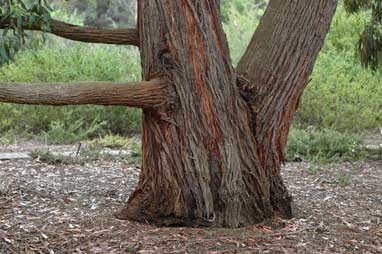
148, 94
200, 167
212, 157
276, 68
217, 161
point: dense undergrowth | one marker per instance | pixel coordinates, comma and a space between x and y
341, 104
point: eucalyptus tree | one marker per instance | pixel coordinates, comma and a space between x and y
213, 136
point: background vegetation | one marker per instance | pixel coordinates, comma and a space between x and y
341, 105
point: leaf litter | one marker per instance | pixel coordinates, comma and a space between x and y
70, 209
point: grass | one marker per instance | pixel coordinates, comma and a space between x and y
344, 179
53, 159
313, 170
112, 141
66, 63
327, 145
123, 149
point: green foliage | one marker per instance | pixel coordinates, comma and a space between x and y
313, 170
354, 6
75, 61
240, 23
94, 151
65, 62
344, 179
50, 158
61, 132
112, 141
136, 150
322, 145
131, 145
369, 46
85, 156
342, 95
19, 13
341, 103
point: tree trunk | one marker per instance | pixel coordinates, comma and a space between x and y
276, 68
208, 159
213, 138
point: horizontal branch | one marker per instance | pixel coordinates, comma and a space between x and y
81, 33
145, 94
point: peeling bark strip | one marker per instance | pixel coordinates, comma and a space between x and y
83, 34
148, 94
278, 63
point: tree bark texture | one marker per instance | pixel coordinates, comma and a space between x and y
213, 138
213, 158
79, 33
274, 71
148, 94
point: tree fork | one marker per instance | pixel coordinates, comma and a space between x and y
147, 94
280, 59
79, 33
199, 168
214, 156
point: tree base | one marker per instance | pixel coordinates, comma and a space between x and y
146, 208
143, 211
281, 200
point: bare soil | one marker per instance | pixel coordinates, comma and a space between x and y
70, 209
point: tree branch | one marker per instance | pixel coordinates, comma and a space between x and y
80, 33
146, 94
278, 63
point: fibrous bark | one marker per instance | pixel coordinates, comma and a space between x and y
275, 69
212, 149
80, 33
217, 161
148, 94
200, 167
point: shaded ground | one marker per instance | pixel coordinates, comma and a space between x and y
69, 209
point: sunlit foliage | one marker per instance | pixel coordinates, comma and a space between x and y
19, 13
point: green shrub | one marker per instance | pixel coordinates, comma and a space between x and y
239, 25
112, 141
53, 159
118, 142
322, 145
61, 132
66, 63
341, 98
70, 61
342, 95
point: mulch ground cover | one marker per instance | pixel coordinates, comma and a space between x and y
70, 209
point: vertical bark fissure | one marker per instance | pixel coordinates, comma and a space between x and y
278, 63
